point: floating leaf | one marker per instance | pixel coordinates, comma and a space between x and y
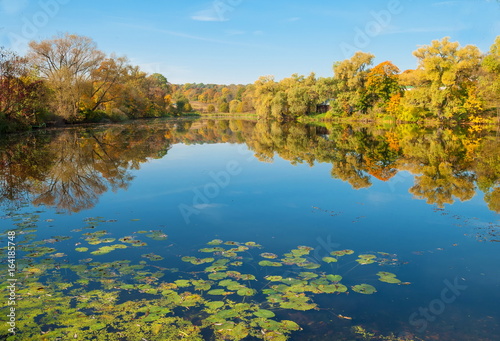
217, 276
342, 253
152, 257
366, 289
246, 292
269, 255
215, 242
82, 249
364, 261
334, 278
329, 259
157, 235
182, 283
274, 278
214, 305
264, 313
269, 263
218, 292
212, 249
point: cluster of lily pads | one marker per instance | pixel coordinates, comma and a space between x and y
232, 289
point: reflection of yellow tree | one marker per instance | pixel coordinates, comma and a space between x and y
439, 160
487, 168
75, 167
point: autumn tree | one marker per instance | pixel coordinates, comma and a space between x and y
21, 94
489, 85
382, 83
67, 63
350, 86
448, 72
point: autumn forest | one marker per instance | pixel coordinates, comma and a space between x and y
67, 79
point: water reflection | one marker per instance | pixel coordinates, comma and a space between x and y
70, 169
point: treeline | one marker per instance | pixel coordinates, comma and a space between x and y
451, 82
67, 79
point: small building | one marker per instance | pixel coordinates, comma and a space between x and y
324, 107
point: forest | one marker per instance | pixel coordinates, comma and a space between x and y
67, 79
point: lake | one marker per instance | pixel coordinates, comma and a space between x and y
233, 229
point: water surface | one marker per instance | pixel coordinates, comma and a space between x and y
423, 202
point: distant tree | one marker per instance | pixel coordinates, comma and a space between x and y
224, 107
234, 106
211, 108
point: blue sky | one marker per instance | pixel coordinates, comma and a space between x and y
236, 41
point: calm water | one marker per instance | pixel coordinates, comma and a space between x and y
423, 202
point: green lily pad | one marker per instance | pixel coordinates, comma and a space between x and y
268, 255
214, 304
212, 249
264, 313
334, 278
217, 276
364, 261
330, 259
274, 278
218, 292
269, 263
366, 289
246, 292
182, 283
81, 249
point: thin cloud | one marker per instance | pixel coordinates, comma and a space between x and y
293, 19
208, 15
189, 36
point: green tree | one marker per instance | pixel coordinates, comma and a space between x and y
350, 83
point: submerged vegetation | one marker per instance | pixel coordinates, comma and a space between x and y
225, 295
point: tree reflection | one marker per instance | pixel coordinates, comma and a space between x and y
70, 169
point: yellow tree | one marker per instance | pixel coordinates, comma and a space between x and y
448, 71
67, 63
350, 80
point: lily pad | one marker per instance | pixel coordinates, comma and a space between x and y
330, 259
269, 255
269, 263
264, 313
366, 289
214, 305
